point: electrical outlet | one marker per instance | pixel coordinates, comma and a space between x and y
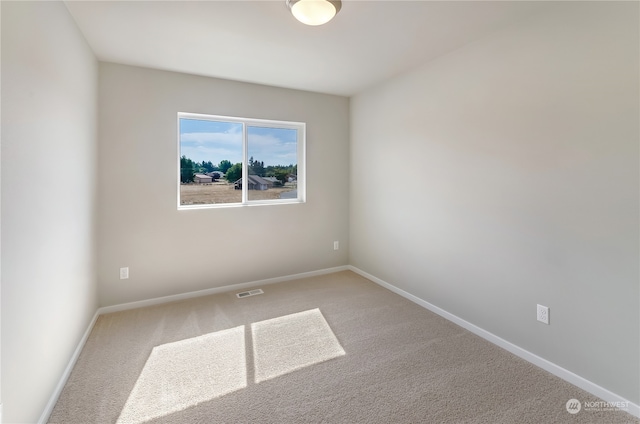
124, 273
543, 314
336, 245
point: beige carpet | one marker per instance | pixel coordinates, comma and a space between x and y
329, 349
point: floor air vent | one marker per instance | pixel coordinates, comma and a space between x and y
249, 293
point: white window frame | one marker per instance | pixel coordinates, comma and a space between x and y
301, 129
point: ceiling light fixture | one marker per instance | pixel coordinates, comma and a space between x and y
314, 12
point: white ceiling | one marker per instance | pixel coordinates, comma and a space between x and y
261, 42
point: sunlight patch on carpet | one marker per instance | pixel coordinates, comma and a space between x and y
185, 373
291, 342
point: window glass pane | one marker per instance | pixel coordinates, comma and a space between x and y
273, 163
210, 161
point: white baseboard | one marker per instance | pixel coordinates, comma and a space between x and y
65, 375
216, 290
546, 365
157, 301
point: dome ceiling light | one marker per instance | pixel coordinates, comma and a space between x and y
314, 12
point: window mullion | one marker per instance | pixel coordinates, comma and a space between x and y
245, 161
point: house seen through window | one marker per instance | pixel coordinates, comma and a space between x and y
238, 161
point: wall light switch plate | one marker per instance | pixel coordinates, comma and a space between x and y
124, 273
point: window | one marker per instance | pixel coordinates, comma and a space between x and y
225, 161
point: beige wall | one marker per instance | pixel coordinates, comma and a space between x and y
170, 251
513, 180
49, 100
